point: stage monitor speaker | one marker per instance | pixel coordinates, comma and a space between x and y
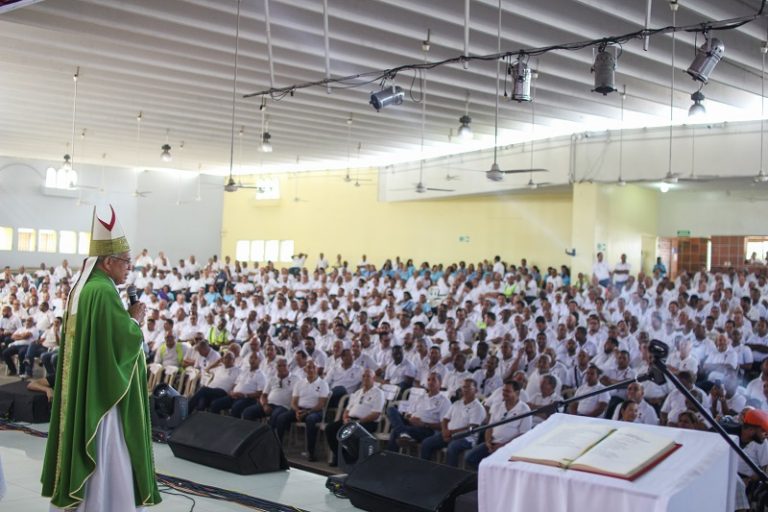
227, 443
390, 482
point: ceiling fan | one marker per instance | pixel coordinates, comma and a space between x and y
420, 187
232, 185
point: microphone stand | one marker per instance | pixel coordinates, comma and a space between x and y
659, 351
554, 406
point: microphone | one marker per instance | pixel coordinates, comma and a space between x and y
132, 297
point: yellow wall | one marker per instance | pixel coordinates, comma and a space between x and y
336, 217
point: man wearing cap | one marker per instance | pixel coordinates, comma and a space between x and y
99, 450
751, 434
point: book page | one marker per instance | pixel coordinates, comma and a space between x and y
564, 443
624, 452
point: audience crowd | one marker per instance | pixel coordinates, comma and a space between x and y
421, 352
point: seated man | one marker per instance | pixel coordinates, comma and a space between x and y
307, 405
400, 371
276, 397
463, 414
344, 378
593, 406
547, 395
365, 406
51, 339
248, 387
424, 416
221, 385
21, 338
497, 437
169, 356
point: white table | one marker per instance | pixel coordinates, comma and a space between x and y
699, 476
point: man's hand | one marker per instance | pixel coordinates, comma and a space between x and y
137, 311
416, 421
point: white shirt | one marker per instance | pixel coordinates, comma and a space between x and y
224, 378
590, 404
505, 433
249, 382
430, 409
363, 403
349, 378
279, 391
170, 356
396, 373
310, 393
462, 415
645, 414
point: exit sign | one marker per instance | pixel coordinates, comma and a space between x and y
683, 232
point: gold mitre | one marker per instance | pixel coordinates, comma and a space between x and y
107, 237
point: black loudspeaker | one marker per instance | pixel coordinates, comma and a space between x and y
390, 482
17, 403
229, 444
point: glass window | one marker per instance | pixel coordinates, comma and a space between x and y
257, 250
6, 238
83, 242
46, 240
286, 250
26, 239
271, 250
242, 250
67, 242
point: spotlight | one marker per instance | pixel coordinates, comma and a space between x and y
266, 146
392, 95
465, 131
168, 409
707, 57
697, 109
604, 69
355, 445
67, 166
166, 154
521, 81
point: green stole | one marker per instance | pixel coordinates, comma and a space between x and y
101, 365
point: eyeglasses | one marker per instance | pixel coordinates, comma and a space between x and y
124, 260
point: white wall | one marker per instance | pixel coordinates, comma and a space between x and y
154, 222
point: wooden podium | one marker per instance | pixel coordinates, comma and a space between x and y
699, 476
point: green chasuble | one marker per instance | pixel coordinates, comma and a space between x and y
101, 364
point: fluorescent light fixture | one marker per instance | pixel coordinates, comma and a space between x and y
707, 57
392, 95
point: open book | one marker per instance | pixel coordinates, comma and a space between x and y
624, 452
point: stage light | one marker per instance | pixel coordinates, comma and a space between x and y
707, 57
521, 81
266, 146
392, 95
166, 154
355, 445
465, 130
168, 409
604, 69
697, 109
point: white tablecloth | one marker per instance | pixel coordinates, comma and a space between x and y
699, 476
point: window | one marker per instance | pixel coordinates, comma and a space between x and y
6, 238
271, 250
46, 240
257, 250
242, 250
26, 239
67, 242
83, 242
286, 250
